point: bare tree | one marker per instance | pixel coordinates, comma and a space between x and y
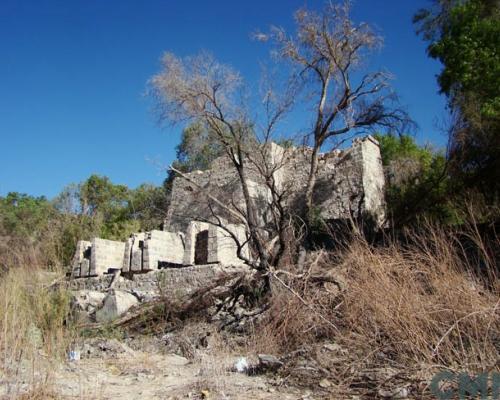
326, 57
202, 89
327, 53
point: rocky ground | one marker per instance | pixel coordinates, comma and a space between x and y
148, 368
192, 365
129, 348
138, 374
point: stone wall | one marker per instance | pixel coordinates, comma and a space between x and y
106, 254
203, 243
349, 184
373, 180
81, 259
224, 246
193, 230
96, 257
133, 259
170, 281
145, 251
220, 245
164, 247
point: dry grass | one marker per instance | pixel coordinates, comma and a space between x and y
430, 302
289, 324
424, 302
215, 364
421, 303
33, 331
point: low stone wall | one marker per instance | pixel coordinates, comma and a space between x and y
172, 281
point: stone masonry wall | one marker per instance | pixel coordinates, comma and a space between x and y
224, 246
171, 281
221, 247
106, 254
203, 243
162, 246
373, 180
81, 262
338, 189
349, 183
133, 257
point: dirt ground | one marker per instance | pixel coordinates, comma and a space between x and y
147, 376
120, 371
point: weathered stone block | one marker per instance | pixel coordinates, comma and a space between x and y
115, 305
106, 254
162, 247
82, 255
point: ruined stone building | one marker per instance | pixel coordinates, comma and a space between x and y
350, 184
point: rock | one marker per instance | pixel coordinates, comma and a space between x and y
116, 304
401, 394
85, 299
268, 362
87, 350
333, 347
396, 394
103, 348
325, 383
84, 303
144, 296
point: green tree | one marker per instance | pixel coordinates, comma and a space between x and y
99, 194
197, 149
29, 228
148, 205
465, 37
418, 185
23, 215
48, 231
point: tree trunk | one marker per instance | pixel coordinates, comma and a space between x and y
311, 181
252, 216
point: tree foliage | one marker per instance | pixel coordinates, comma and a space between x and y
418, 185
197, 149
23, 215
97, 207
465, 37
99, 195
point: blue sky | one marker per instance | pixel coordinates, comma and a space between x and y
73, 74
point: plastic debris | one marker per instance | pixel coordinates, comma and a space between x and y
241, 365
